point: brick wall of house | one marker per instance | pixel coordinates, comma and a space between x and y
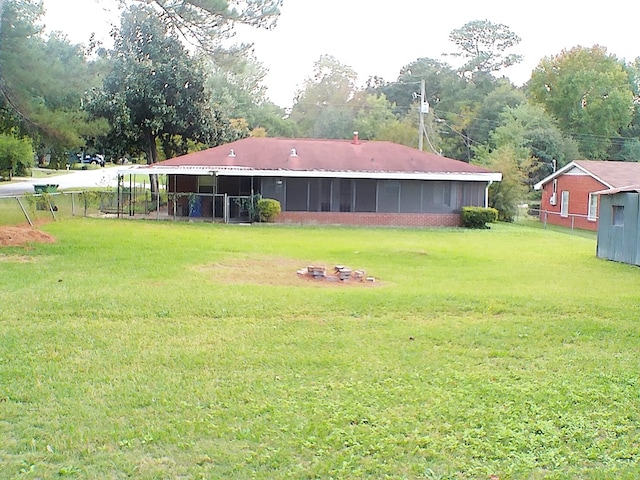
579, 187
372, 219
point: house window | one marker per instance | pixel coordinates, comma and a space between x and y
564, 204
593, 207
618, 216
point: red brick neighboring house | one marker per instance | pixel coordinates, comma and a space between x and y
569, 196
327, 181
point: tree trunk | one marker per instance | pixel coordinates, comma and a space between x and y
152, 157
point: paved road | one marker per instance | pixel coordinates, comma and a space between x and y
102, 177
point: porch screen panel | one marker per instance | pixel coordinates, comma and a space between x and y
410, 197
245, 185
297, 194
428, 205
473, 194
449, 195
326, 185
315, 199
389, 196
432, 193
271, 187
341, 195
365, 195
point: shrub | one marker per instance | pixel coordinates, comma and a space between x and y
478, 217
268, 208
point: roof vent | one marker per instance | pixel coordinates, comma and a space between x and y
294, 152
356, 140
232, 153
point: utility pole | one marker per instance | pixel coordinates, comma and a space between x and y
424, 109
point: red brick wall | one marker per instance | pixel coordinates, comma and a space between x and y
579, 187
372, 219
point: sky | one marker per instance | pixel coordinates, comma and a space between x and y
379, 38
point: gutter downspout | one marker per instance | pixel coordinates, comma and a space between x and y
486, 194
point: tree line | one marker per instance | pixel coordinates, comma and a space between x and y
171, 84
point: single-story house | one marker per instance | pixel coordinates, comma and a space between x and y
569, 195
619, 225
325, 182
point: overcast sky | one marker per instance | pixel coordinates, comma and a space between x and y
380, 41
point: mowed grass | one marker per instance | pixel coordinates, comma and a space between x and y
157, 350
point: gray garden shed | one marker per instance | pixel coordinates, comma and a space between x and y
619, 226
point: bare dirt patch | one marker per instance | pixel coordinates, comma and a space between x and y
21, 236
269, 271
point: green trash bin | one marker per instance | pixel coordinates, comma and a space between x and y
45, 188
41, 203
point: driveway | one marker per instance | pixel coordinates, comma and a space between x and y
102, 177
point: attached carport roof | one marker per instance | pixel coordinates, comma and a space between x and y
250, 172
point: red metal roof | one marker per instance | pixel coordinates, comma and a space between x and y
614, 174
322, 155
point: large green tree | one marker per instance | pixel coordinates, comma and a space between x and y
375, 116
201, 22
533, 134
155, 91
206, 22
16, 155
627, 147
237, 88
323, 107
589, 93
442, 83
42, 82
506, 195
488, 115
485, 46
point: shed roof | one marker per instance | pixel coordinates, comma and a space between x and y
611, 174
625, 189
315, 157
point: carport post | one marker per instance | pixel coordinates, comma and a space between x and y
120, 177
226, 208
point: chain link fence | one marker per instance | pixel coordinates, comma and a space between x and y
41, 207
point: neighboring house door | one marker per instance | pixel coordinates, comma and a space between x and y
564, 204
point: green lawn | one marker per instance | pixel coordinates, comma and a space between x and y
161, 351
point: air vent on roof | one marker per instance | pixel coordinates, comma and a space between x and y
294, 153
232, 153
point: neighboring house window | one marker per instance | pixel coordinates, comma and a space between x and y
593, 207
618, 216
564, 204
